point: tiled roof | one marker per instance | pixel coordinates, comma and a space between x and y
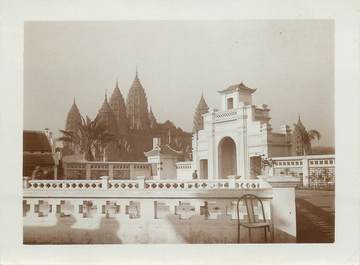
240, 86
35, 141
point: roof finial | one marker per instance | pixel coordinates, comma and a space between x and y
74, 101
106, 95
136, 72
117, 83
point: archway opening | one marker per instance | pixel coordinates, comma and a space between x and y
227, 157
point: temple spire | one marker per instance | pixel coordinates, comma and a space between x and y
117, 83
136, 105
201, 109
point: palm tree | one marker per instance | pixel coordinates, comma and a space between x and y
306, 137
91, 138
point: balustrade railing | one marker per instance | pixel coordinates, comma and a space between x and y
228, 114
142, 184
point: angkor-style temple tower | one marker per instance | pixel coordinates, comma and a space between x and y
133, 126
73, 122
152, 119
201, 109
106, 117
137, 107
117, 105
73, 119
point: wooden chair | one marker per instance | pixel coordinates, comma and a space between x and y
252, 222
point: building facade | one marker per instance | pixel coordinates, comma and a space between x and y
234, 139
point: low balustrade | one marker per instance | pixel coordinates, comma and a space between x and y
224, 115
142, 184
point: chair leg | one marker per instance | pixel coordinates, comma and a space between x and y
249, 229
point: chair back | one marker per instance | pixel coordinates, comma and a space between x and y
251, 201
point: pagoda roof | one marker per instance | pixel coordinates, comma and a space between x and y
162, 150
237, 87
35, 141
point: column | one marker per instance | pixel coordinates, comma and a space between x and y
111, 171
131, 171
305, 171
88, 171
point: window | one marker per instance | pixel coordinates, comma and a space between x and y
230, 103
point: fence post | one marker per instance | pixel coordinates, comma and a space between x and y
25, 182
104, 182
231, 182
141, 182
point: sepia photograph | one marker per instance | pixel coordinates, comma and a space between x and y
179, 132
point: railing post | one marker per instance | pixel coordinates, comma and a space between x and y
111, 171
25, 182
104, 182
141, 182
88, 171
231, 181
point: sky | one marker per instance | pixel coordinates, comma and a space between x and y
289, 62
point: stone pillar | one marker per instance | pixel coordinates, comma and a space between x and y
305, 172
141, 182
104, 182
111, 171
242, 156
88, 171
25, 182
131, 171
232, 182
283, 207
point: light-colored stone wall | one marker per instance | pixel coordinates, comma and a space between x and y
305, 166
151, 211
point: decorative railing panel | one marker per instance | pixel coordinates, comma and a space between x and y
141, 184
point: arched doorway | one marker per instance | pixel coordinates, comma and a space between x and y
227, 157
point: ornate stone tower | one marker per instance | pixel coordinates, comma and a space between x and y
153, 122
201, 109
117, 105
137, 107
106, 116
297, 143
73, 119
73, 122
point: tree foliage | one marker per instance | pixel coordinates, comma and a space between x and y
91, 138
306, 137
